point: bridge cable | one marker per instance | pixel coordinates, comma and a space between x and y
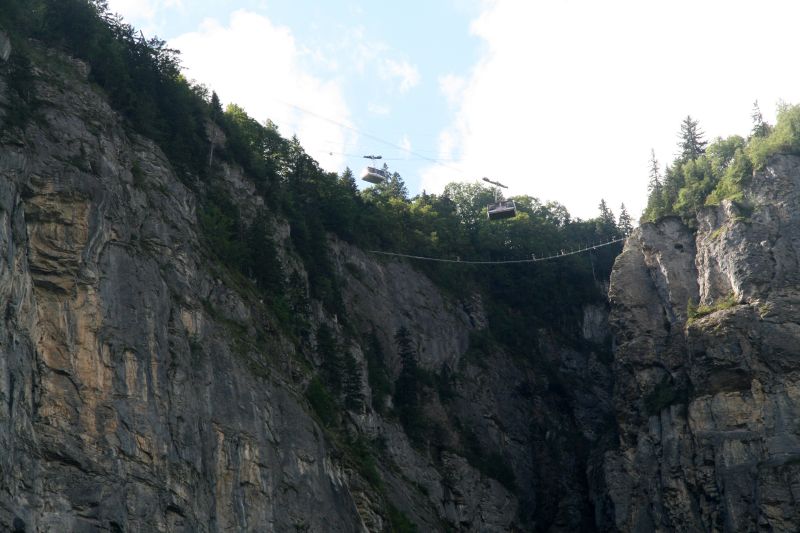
533, 258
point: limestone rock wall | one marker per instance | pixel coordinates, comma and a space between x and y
707, 405
142, 389
124, 404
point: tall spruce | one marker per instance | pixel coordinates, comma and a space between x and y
406, 390
692, 144
333, 363
606, 225
655, 190
760, 128
655, 184
624, 223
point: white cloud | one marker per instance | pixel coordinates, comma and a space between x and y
452, 87
136, 10
258, 65
569, 97
378, 109
405, 144
405, 72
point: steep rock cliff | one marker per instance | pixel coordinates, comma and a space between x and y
707, 393
145, 388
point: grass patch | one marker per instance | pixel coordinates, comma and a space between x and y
695, 312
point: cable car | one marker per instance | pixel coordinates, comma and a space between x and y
500, 209
374, 174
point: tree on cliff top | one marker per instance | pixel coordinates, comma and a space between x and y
691, 142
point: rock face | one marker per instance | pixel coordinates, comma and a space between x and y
707, 367
143, 389
124, 405
5, 45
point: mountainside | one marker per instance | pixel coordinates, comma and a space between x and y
146, 386
195, 337
706, 366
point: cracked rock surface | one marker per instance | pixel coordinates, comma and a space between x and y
707, 406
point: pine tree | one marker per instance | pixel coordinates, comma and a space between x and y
760, 128
216, 106
379, 382
332, 361
655, 190
625, 224
262, 258
655, 184
606, 226
691, 144
349, 181
406, 391
353, 395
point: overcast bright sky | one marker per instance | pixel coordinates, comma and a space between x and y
561, 100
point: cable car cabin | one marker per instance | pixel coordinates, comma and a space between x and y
502, 209
374, 175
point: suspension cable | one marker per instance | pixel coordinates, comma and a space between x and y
533, 258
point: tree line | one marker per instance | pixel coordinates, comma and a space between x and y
704, 174
143, 80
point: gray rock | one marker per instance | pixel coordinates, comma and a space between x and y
707, 406
5, 46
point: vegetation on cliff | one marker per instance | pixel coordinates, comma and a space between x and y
143, 82
704, 175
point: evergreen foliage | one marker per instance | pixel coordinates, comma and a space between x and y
703, 176
691, 144
624, 223
760, 128
407, 387
379, 382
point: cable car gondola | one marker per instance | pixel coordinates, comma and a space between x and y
500, 209
374, 174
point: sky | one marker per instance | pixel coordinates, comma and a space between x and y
562, 100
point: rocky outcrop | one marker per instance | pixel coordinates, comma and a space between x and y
707, 367
131, 398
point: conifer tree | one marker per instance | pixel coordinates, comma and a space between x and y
624, 224
655, 190
332, 361
406, 392
349, 181
216, 106
760, 128
606, 226
691, 144
655, 184
353, 395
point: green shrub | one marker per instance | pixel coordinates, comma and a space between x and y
698, 311
736, 176
784, 138
322, 402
